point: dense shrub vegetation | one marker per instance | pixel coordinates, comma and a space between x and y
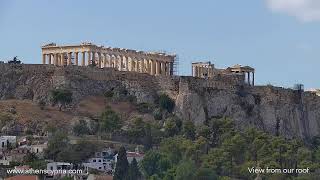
61, 97
219, 151
165, 102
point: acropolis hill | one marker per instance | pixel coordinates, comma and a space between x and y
292, 113
276, 110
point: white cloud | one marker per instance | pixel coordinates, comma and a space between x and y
304, 10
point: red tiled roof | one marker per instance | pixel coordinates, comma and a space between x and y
134, 154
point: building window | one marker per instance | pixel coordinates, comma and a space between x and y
99, 160
100, 168
94, 160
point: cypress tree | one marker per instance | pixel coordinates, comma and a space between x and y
122, 165
133, 173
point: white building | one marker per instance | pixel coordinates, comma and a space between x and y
38, 149
100, 164
6, 141
4, 161
105, 153
59, 166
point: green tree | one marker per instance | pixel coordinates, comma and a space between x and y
172, 126
61, 97
137, 130
235, 149
148, 137
217, 160
206, 174
77, 153
122, 165
110, 121
219, 130
165, 102
189, 130
133, 173
186, 170
177, 148
204, 131
81, 128
154, 163
56, 144
15, 60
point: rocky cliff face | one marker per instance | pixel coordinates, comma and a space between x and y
275, 110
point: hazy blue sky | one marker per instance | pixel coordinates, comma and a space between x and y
280, 38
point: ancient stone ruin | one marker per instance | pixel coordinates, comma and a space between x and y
207, 70
153, 63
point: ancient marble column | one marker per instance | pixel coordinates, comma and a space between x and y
131, 64
76, 58
43, 58
196, 73
136, 67
53, 59
89, 58
127, 63
249, 78
153, 69
69, 58
49, 59
120, 62
105, 60
83, 61
112, 61
109, 64
163, 71
62, 59
147, 66
59, 59
56, 60
141, 61
93, 57
157, 67
99, 59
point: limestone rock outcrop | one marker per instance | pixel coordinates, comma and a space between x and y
275, 110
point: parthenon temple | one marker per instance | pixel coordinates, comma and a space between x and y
153, 63
207, 70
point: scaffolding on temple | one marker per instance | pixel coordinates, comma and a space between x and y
175, 68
